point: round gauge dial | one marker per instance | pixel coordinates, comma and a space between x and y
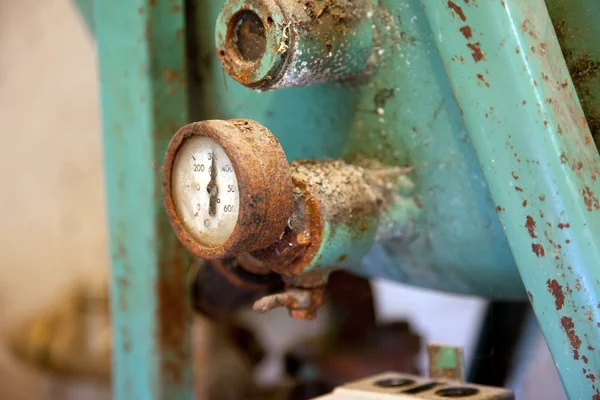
227, 187
205, 190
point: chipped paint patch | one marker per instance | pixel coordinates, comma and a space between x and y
457, 10
590, 199
569, 328
530, 225
476, 51
538, 249
556, 290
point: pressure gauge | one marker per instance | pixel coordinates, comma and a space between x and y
227, 187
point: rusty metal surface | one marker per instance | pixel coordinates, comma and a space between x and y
534, 145
378, 121
302, 303
264, 182
261, 69
407, 117
141, 51
301, 233
300, 42
340, 209
331, 228
343, 224
325, 204
579, 34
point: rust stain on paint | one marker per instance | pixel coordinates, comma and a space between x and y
456, 8
482, 79
538, 249
466, 31
476, 51
569, 328
530, 225
556, 290
590, 199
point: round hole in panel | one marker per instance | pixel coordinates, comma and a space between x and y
457, 392
393, 382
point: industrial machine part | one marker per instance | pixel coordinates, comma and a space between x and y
395, 386
268, 44
456, 129
227, 187
229, 191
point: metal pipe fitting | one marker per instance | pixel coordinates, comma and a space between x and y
333, 226
269, 44
340, 211
301, 303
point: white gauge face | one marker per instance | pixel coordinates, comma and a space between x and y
205, 190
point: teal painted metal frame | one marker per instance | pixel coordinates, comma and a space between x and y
141, 47
421, 127
513, 102
539, 159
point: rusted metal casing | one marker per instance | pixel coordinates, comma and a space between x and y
264, 183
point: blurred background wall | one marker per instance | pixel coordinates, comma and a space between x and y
51, 205
53, 228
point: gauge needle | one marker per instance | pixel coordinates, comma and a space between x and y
212, 188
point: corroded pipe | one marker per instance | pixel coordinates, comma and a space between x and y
269, 44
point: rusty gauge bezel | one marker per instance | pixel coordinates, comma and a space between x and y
264, 184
